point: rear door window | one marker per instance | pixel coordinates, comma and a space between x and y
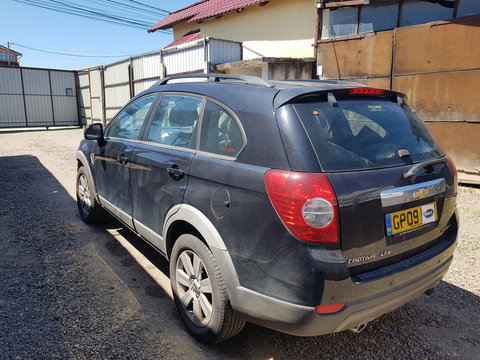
175, 120
365, 133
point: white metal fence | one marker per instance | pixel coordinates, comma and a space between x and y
46, 97
105, 89
32, 97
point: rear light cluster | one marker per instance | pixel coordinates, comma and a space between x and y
306, 203
366, 91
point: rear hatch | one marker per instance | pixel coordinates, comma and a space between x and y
394, 184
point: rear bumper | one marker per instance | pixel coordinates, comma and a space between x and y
365, 301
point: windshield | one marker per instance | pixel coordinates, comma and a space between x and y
365, 133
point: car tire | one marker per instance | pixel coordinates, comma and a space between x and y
200, 293
90, 210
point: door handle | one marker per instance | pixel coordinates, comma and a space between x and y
175, 172
122, 159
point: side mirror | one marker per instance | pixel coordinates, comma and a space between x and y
94, 132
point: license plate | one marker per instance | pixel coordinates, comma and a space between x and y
409, 219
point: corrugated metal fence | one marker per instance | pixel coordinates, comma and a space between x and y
37, 97
105, 89
46, 97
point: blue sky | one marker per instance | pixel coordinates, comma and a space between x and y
49, 30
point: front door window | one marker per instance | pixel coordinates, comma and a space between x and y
129, 122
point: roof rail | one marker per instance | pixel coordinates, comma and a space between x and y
318, 81
248, 80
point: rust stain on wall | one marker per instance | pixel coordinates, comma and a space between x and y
451, 96
462, 143
354, 58
437, 47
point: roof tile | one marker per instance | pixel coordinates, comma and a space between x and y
202, 10
185, 39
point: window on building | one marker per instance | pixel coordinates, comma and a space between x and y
5, 55
339, 22
342, 21
421, 12
378, 18
468, 7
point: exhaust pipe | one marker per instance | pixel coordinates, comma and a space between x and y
359, 328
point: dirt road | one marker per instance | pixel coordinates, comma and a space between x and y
69, 290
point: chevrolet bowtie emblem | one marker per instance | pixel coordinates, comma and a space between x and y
420, 194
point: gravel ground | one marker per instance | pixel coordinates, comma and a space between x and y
69, 290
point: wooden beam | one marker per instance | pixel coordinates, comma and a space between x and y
336, 4
344, 3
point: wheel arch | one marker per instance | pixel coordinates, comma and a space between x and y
82, 161
187, 219
175, 230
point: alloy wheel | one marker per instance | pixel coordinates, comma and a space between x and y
194, 288
84, 196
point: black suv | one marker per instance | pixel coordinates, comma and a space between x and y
309, 207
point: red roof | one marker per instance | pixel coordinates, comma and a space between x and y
202, 10
9, 50
185, 39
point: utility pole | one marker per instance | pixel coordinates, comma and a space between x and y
8, 55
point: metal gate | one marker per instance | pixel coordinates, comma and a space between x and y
105, 89
31, 97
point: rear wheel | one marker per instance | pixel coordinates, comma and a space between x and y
199, 291
88, 207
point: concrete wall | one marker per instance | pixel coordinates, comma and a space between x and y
437, 65
270, 68
281, 28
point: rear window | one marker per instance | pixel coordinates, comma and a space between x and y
365, 133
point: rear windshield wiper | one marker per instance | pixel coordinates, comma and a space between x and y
424, 164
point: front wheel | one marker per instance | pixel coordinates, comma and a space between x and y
88, 207
199, 291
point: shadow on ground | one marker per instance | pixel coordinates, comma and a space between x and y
70, 290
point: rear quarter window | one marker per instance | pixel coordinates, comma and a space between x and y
221, 134
365, 133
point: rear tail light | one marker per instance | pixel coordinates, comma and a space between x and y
318, 213
306, 204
